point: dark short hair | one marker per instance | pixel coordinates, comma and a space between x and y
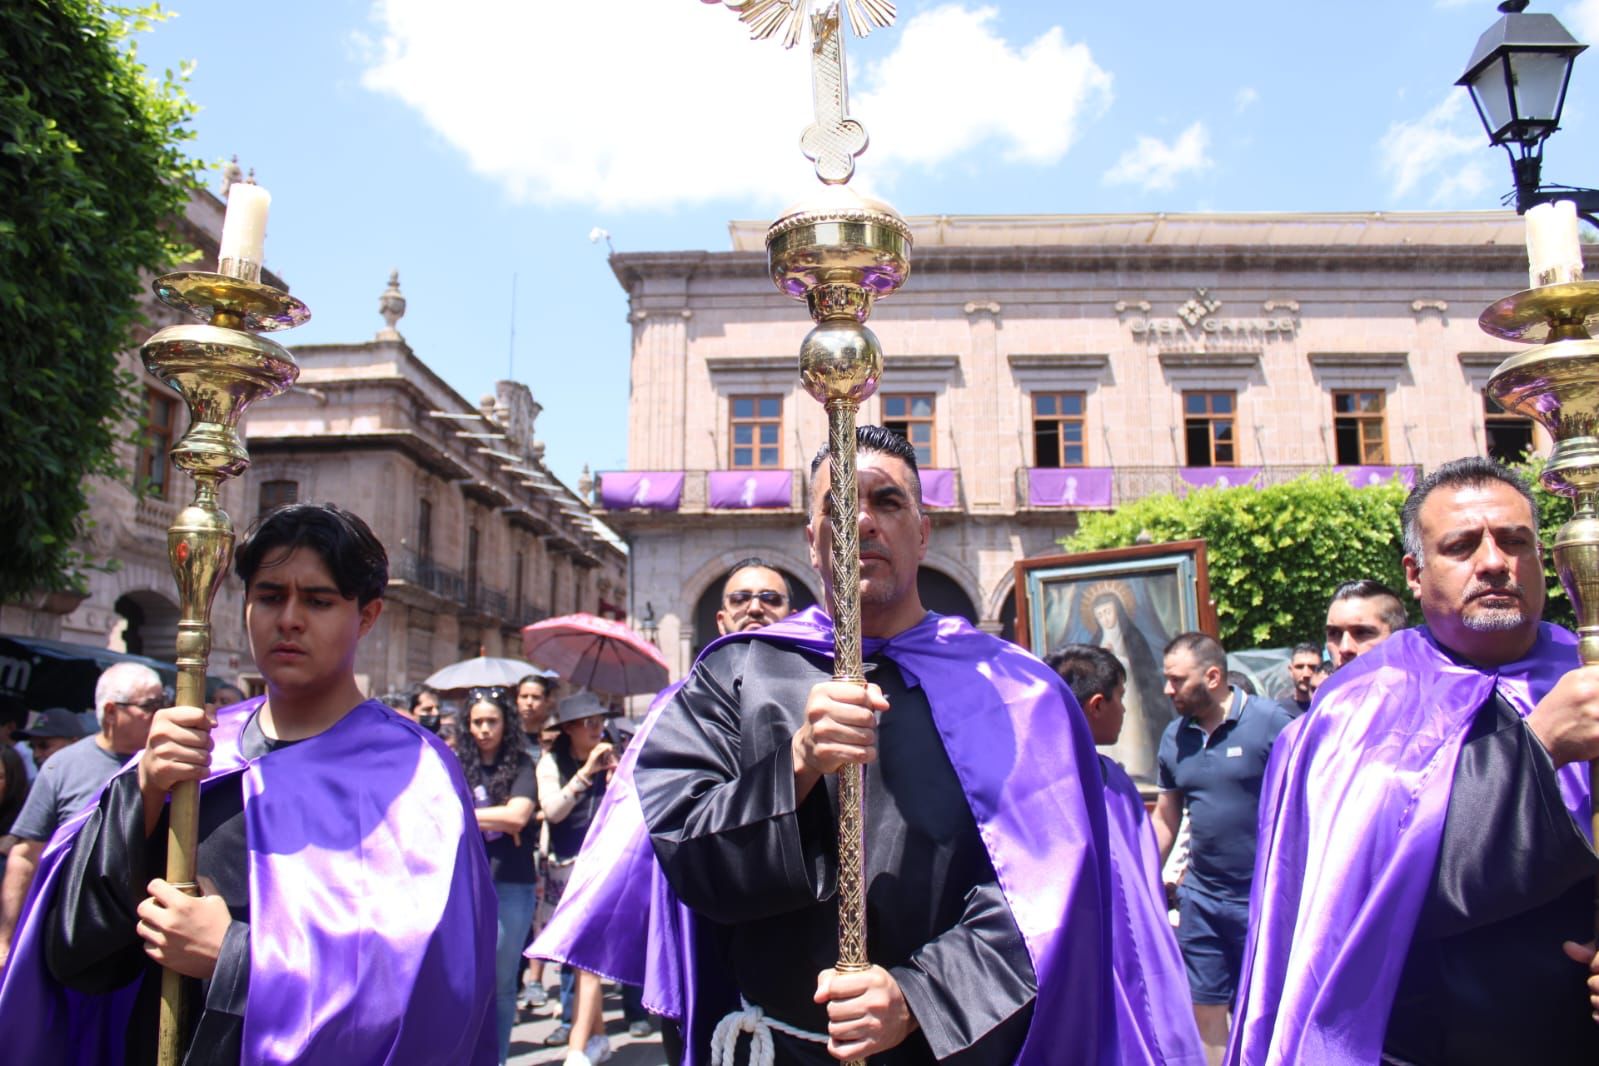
755, 562
1241, 680
883, 442
1305, 647
423, 690
546, 683
346, 545
1392, 612
1088, 670
1471, 472
1206, 649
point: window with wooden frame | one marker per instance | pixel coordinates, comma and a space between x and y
278, 493
757, 433
1210, 428
1059, 436
424, 530
1508, 436
161, 429
911, 416
1360, 436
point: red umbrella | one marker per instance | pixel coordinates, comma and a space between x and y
596, 653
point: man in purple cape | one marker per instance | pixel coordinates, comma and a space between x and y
1424, 857
986, 884
1154, 1022
347, 914
617, 916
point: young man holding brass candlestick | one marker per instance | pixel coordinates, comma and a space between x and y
985, 880
346, 912
1424, 886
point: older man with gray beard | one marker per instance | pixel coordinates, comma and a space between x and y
1424, 879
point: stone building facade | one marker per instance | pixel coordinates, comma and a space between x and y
482, 538
1052, 364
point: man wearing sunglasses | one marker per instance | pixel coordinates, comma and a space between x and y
127, 696
753, 597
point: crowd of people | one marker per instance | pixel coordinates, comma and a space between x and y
1389, 864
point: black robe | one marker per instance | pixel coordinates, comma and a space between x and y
1485, 981
716, 783
92, 945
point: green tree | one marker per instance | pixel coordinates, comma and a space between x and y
91, 172
1274, 554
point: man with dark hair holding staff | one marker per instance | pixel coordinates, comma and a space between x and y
1425, 882
347, 914
985, 878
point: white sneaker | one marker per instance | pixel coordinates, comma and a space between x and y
576, 1058
598, 1049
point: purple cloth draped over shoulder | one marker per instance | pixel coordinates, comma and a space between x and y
1352, 816
1022, 752
1154, 1022
371, 910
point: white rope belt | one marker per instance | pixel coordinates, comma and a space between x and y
752, 1020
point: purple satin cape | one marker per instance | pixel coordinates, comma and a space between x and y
1352, 815
1154, 1021
372, 913
1021, 750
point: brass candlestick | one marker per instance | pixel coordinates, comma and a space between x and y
1557, 383
220, 367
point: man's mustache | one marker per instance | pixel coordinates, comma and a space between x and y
1480, 589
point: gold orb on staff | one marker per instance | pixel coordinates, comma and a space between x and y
220, 364
839, 253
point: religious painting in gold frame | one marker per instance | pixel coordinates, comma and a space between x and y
1131, 601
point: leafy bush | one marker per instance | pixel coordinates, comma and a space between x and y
90, 170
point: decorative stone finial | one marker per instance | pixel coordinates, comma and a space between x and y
251, 179
231, 176
585, 484
391, 305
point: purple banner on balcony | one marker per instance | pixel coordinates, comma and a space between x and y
750, 488
1219, 477
653, 490
1081, 486
1365, 476
938, 488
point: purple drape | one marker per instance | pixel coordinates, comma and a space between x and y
652, 490
1079, 486
938, 488
1352, 813
372, 916
1365, 476
1219, 477
750, 488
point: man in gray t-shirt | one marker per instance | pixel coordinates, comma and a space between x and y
126, 697
65, 786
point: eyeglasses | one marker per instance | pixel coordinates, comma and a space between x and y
766, 596
149, 706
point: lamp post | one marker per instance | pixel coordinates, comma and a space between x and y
1518, 76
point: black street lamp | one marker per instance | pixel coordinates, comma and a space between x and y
1518, 77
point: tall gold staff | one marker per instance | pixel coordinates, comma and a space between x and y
838, 254
1557, 383
220, 367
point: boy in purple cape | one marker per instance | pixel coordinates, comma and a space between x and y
1154, 1020
346, 914
986, 877
1425, 879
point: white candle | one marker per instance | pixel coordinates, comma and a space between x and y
244, 226
1554, 254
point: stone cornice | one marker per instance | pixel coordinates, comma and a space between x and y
1483, 360
1058, 360
1359, 360
1210, 360
935, 363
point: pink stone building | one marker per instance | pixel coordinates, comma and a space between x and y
1052, 364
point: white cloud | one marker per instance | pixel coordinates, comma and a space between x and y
1582, 19
1155, 166
1444, 151
1245, 98
649, 104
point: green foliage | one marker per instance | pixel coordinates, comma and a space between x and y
1275, 554
1553, 511
90, 171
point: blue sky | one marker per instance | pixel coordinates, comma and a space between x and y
467, 141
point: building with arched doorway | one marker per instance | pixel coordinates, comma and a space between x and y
1045, 366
